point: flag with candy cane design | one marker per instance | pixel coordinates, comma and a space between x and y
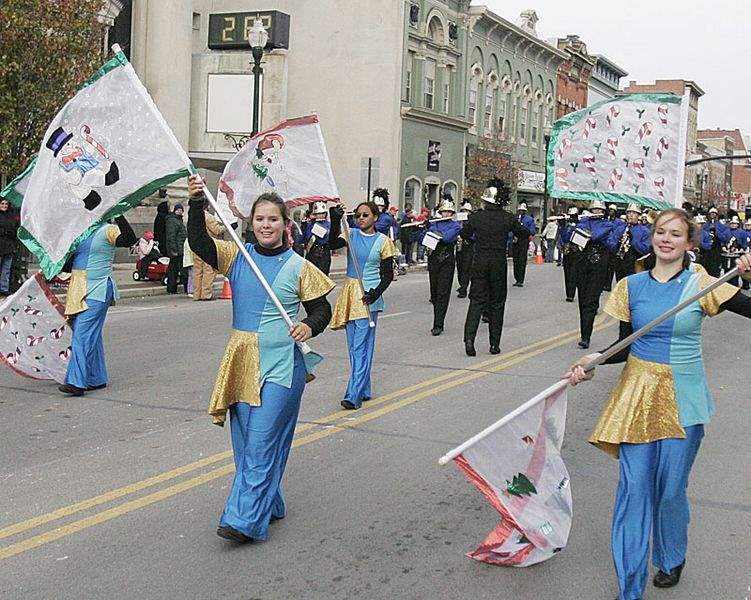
35, 338
622, 143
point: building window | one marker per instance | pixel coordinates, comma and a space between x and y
488, 123
523, 126
472, 112
514, 120
429, 84
446, 93
196, 21
408, 79
502, 119
535, 126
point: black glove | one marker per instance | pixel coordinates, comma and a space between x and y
370, 296
336, 212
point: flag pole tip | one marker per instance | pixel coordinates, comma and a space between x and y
116, 48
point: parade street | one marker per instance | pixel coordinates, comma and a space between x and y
117, 494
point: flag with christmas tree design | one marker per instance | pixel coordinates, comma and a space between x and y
519, 469
107, 149
630, 148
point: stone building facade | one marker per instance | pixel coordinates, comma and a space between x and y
573, 76
604, 80
741, 168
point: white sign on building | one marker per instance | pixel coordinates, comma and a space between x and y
530, 181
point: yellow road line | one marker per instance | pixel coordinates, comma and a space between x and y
513, 358
138, 486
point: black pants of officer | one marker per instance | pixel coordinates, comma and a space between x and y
487, 295
711, 260
625, 266
320, 256
608, 285
590, 279
441, 275
519, 251
569, 274
464, 268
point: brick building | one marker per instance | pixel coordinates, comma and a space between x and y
572, 90
741, 169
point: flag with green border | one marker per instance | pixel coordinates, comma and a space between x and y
106, 150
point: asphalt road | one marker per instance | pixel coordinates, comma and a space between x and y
117, 494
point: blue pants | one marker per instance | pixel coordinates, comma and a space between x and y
87, 367
651, 498
5, 262
361, 344
261, 440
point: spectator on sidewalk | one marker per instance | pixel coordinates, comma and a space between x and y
188, 263
8, 227
176, 236
203, 273
408, 235
160, 227
548, 236
147, 252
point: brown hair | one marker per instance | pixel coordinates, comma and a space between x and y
371, 205
271, 198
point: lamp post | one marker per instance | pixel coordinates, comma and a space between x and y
257, 38
546, 131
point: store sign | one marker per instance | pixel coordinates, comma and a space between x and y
229, 31
434, 156
530, 181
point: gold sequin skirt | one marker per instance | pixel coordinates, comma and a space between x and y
349, 305
239, 377
642, 408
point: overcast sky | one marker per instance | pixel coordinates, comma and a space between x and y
707, 42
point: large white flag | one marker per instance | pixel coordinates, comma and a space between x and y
627, 149
289, 159
516, 463
35, 338
106, 149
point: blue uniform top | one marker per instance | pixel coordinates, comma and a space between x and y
641, 238
566, 231
92, 269
600, 228
528, 222
448, 230
387, 225
308, 231
721, 230
741, 238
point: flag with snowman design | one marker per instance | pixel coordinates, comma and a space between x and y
626, 149
107, 149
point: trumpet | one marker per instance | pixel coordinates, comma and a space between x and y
625, 245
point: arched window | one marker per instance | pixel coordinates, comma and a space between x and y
435, 31
412, 193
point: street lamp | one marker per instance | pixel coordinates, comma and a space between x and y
546, 131
257, 38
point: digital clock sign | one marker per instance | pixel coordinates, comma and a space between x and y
229, 31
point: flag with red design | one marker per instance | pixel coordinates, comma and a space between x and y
519, 469
35, 338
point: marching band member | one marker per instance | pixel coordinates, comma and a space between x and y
613, 218
91, 291
628, 241
745, 285
568, 252
655, 417
712, 257
374, 253
386, 223
487, 291
441, 264
734, 243
316, 238
465, 251
263, 372
520, 244
591, 266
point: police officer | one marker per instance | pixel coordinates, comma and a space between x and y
441, 263
717, 232
520, 244
316, 238
567, 251
465, 251
591, 266
487, 292
628, 241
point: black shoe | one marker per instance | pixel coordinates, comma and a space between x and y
71, 390
232, 534
517, 284
436, 331
569, 299
348, 405
101, 386
666, 580
583, 344
520, 284
495, 350
469, 348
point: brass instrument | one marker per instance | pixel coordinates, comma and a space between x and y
625, 245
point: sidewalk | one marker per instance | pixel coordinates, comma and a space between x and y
141, 289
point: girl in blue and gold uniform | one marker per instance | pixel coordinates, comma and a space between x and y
263, 373
374, 253
654, 420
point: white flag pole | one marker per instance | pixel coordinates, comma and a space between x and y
615, 349
246, 255
353, 256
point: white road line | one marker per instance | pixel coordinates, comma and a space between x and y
406, 312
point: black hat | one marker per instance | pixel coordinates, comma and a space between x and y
57, 140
